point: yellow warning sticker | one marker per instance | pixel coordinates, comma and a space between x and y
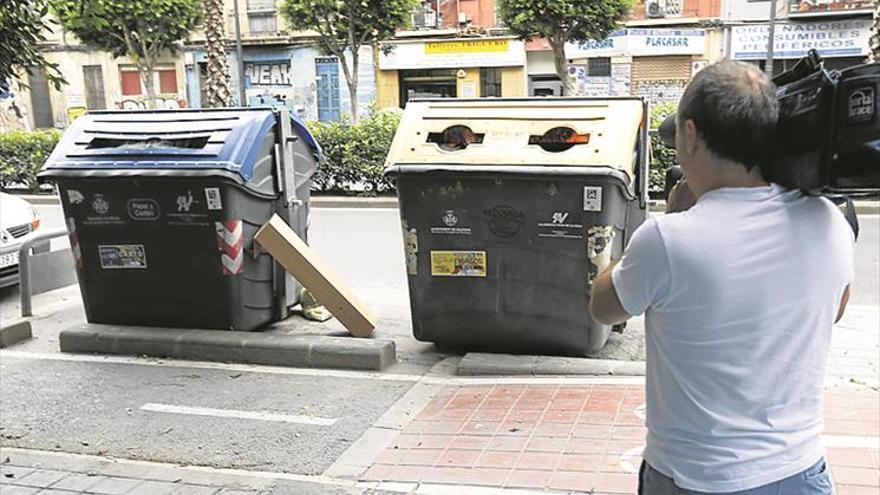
458, 263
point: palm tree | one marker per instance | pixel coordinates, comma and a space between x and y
217, 90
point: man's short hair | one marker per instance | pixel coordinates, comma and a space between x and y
734, 108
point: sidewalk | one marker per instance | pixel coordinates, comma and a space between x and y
585, 439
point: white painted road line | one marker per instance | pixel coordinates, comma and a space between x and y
232, 413
329, 373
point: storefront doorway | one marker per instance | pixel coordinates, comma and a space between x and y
434, 83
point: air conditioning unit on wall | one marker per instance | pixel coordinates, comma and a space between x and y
654, 9
663, 8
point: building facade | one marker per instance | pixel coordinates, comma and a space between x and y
662, 44
281, 69
95, 81
839, 30
455, 49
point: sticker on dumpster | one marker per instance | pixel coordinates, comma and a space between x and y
411, 249
230, 242
212, 195
458, 263
75, 197
143, 209
592, 198
560, 226
185, 202
600, 241
450, 221
122, 257
100, 205
503, 220
74, 243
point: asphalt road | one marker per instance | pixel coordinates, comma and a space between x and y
366, 248
188, 416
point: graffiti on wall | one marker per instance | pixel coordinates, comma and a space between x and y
269, 73
660, 91
163, 102
12, 115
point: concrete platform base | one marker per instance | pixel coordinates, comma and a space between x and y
269, 348
483, 364
15, 333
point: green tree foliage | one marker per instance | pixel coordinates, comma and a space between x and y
561, 22
23, 26
344, 26
662, 157
22, 155
141, 29
355, 152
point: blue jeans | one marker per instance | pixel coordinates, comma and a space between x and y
815, 480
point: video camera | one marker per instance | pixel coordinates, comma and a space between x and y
828, 135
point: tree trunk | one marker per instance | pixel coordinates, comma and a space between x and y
145, 68
217, 90
353, 84
561, 65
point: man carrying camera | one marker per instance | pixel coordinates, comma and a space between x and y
740, 287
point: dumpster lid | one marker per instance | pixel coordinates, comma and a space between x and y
519, 131
190, 139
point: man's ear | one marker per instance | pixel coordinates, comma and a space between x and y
692, 142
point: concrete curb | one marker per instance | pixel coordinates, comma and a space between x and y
15, 333
484, 364
297, 351
862, 207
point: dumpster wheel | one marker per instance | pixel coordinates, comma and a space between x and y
619, 327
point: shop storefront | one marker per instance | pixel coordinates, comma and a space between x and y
458, 68
840, 42
653, 63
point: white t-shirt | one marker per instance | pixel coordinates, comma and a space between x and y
740, 294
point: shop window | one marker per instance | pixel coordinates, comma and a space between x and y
599, 67
490, 82
168, 81
432, 83
131, 82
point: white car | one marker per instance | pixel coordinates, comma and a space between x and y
18, 220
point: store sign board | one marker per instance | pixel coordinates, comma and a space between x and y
843, 38
843, 7
642, 42
454, 54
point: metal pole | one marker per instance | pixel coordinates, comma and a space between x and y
241, 93
771, 31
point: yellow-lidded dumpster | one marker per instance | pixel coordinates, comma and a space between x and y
509, 209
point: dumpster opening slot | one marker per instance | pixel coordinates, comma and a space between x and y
192, 142
559, 139
455, 138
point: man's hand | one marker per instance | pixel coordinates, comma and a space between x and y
680, 197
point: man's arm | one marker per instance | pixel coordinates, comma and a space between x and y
605, 306
843, 300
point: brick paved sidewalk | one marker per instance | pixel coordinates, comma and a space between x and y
584, 439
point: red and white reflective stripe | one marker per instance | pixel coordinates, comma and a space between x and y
230, 242
74, 243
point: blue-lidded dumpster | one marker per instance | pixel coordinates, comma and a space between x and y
162, 208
